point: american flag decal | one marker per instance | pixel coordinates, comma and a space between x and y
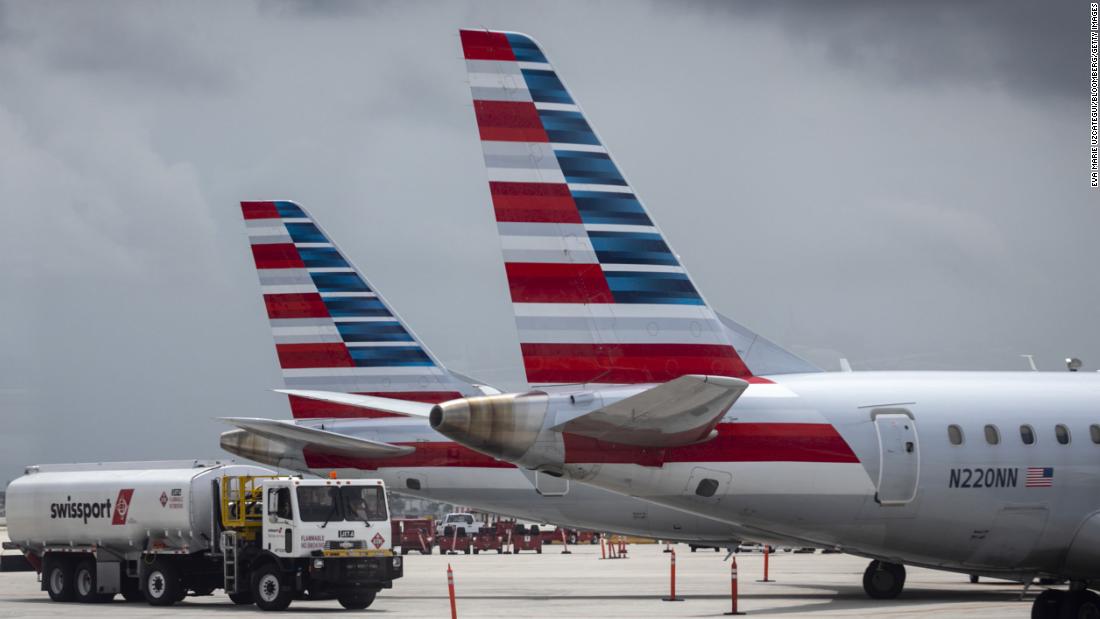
1039, 477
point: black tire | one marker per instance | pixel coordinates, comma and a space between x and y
974, 578
59, 579
84, 584
269, 588
538, 550
1082, 604
884, 581
467, 550
475, 551
404, 551
242, 598
357, 601
693, 547
162, 585
1047, 605
500, 551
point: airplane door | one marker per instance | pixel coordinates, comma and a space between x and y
899, 456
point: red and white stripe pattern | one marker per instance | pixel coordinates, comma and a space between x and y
598, 295
333, 332
1039, 477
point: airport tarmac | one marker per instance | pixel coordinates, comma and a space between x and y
553, 585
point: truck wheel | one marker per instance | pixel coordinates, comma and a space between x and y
162, 586
269, 590
242, 598
84, 583
357, 601
538, 550
59, 580
475, 551
500, 551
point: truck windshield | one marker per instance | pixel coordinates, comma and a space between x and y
365, 503
317, 503
362, 503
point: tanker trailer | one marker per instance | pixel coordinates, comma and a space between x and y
164, 530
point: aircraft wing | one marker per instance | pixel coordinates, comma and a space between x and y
408, 408
680, 412
321, 441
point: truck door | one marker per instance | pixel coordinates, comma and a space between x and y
899, 456
280, 516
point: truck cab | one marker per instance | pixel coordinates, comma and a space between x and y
327, 538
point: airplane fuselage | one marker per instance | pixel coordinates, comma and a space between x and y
866, 462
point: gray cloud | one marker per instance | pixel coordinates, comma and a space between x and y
1028, 47
936, 217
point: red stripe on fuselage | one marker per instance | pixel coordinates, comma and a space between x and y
441, 453
303, 408
534, 203
320, 355
736, 442
550, 282
259, 210
295, 305
628, 363
277, 256
482, 45
509, 121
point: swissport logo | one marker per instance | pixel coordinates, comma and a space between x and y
122, 506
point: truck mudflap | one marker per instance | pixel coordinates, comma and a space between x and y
343, 573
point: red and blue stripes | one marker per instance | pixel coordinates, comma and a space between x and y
599, 295
333, 332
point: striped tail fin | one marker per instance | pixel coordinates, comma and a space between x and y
333, 331
598, 295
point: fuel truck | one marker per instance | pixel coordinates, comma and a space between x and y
164, 530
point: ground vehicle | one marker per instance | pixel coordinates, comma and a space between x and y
462, 522
415, 534
488, 538
159, 530
526, 539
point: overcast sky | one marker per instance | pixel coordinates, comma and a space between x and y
902, 184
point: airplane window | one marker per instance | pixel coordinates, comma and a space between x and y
992, 436
707, 487
955, 434
1027, 435
1094, 432
412, 484
1062, 434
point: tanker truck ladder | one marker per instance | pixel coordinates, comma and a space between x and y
229, 561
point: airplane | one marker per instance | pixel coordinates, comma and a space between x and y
637, 389
336, 335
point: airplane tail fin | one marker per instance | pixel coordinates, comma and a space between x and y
333, 331
599, 296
